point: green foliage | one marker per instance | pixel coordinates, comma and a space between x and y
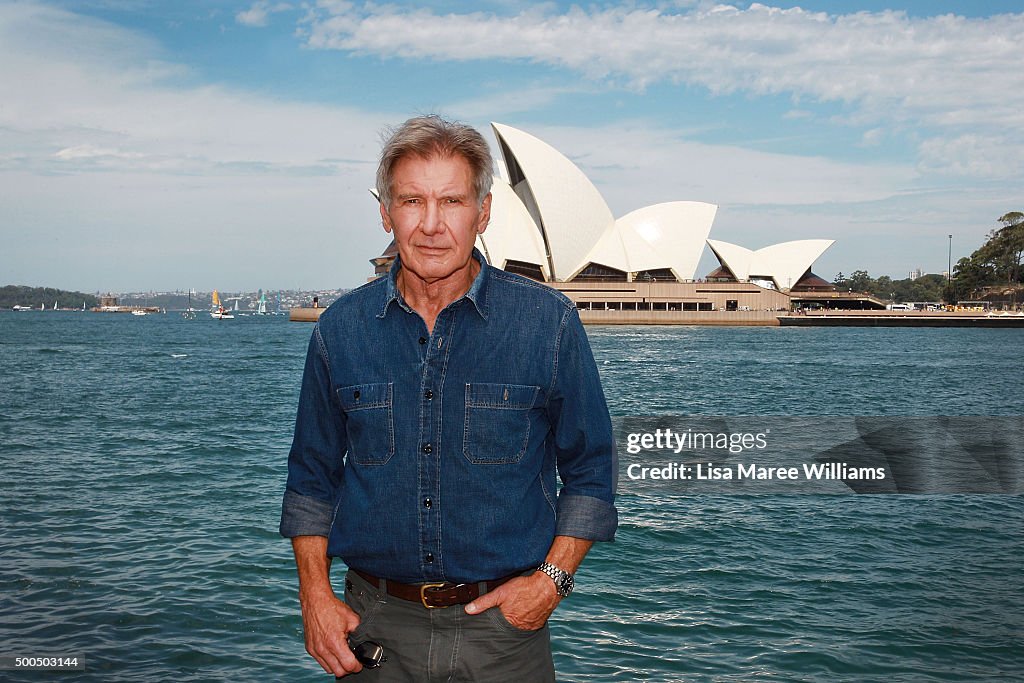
924, 288
17, 295
997, 262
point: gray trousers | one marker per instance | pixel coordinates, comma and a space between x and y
441, 645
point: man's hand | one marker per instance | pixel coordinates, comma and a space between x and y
326, 622
526, 601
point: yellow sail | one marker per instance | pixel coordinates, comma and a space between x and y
216, 298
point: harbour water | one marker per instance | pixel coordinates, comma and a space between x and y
143, 464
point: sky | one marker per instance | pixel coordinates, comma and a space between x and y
152, 145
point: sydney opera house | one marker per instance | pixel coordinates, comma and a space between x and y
549, 223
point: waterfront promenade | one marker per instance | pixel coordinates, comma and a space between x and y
819, 318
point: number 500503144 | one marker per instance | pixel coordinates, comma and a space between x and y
41, 663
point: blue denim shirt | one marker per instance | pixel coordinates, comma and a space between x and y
432, 457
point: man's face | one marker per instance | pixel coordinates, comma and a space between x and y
435, 216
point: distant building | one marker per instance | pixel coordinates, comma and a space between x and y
549, 223
916, 273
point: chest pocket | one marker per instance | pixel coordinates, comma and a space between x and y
369, 421
497, 422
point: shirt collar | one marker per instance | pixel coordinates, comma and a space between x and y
477, 291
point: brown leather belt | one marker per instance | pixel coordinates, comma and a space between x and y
433, 595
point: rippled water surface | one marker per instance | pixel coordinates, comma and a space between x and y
143, 464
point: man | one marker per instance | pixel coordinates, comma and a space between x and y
438, 407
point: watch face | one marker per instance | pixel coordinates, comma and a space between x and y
564, 581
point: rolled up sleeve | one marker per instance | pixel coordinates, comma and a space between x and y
316, 458
304, 516
584, 445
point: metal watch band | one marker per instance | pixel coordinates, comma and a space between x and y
564, 581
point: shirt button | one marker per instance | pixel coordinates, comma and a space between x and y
427, 448
427, 503
429, 558
423, 340
428, 394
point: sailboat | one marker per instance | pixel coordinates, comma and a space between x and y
219, 312
261, 305
55, 304
189, 313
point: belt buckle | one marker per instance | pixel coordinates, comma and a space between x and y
423, 594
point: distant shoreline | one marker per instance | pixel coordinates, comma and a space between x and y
773, 318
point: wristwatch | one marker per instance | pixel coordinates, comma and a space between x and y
564, 582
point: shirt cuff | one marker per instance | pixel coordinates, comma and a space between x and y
586, 517
304, 516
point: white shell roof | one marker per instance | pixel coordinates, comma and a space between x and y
785, 263
669, 235
734, 257
572, 211
511, 234
579, 226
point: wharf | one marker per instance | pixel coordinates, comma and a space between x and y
677, 317
774, 318
305, 315
125, 309
901, 319
612, 317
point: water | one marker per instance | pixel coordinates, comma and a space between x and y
143, 463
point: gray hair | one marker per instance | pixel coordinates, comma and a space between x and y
430, 136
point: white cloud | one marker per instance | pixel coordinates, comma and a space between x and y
948, 72
103, 155
93, 152
259, 13
635, 164
983, 156
872, 138
62, 106
115, 175
489, 101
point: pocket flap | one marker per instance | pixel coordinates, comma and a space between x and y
363, 396
510, 396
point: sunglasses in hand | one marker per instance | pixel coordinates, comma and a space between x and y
369, 653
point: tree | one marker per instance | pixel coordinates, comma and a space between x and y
997, 261
860, 281
1011, 242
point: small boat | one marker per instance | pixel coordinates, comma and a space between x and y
138, 311
219, 312
189, 313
